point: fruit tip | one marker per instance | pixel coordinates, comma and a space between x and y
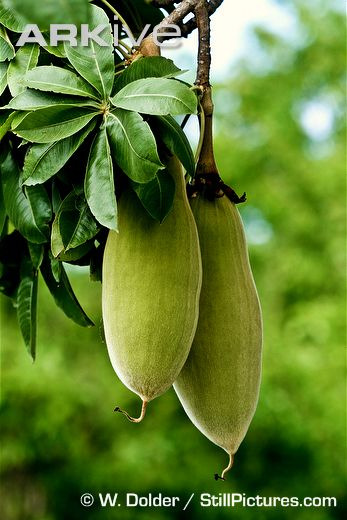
134, 419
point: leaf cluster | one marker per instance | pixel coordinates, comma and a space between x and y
78, 125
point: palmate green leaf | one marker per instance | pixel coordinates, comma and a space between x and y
27, 305
45, 160
156, 96
94, 62
3, 76
10, 19
7, 51
52, 124
26, 58
73, 225
63, 294
31, 100
132, 145
99, 182
147, 67
157, 195
50, 11
172, 135
29, 209
62, 81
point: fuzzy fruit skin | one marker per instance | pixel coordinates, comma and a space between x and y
219, 384
151, 286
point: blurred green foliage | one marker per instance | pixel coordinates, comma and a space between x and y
59, 436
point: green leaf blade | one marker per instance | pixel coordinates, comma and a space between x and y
99, 182
26, 58
95, 63
132, 145
50, 11
157, 196
32, 100
29, 210
156, 96
174, 138
27, 306
147, 67
52, 124
45, 160
7, 51
56, 79
3, 76
63, 294
73, 225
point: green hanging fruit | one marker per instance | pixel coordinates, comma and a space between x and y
219, 384
151, 286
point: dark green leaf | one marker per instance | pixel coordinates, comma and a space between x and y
52, 124
7, 51
176, 141
73, 224
45, 160
29, 209
56, 197
157, 195
99, 182
75, 255
36, 254
26, 58
147, 67
132, 145
62, 81
27, 305
94, 62
3, 76
156, 96
35, 100
50, 11
63, 294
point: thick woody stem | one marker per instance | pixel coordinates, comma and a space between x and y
204, 52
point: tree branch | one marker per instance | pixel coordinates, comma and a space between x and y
191, 25
204, 52
177, 16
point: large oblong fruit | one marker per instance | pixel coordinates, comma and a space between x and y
151, 286
219, 384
